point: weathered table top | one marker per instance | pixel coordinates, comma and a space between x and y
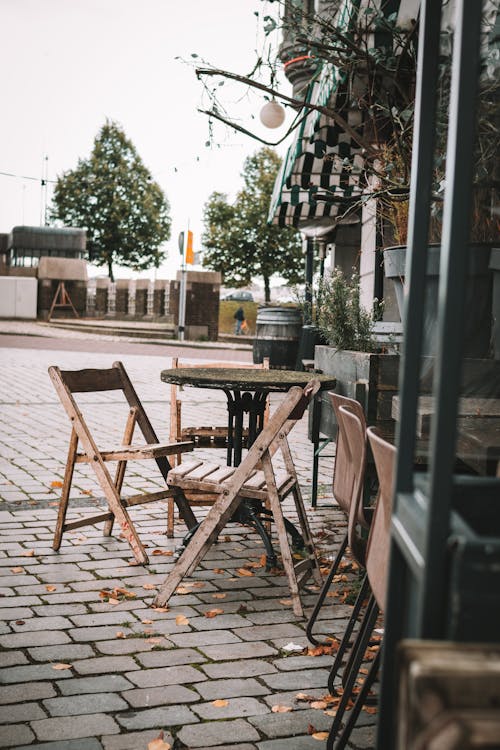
234, 379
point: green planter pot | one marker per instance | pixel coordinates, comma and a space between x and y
480, 305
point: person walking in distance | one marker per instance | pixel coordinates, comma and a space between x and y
239, 317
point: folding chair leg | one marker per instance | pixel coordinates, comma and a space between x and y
360, 702
322, 595
63, 503
206, 534
357, 657
347, 634
170, 517
306, 534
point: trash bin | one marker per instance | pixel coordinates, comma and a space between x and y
277, 335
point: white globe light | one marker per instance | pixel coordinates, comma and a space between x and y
272, 114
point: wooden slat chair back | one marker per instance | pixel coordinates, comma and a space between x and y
210, 436
255, 477
67, 383
377, 568
348, 484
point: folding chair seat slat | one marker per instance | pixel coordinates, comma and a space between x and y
222, 473
257, 481
203, 471
186, 468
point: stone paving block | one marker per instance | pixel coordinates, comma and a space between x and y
160, 696
61, 653
210, 734
290, 724
41, 623
15, 613
157, 717
170, 658
304, 742
64, 610
23, 712
289, 698
103, 618
73, 727
34, 638
105, 683
268, 632
245, 746
11, 599
88, 743
89, 703
233, 651
291, 663
133, 645
12, 659
303, 679
15, 734
284, 613
18, 580
105, 665
219, 623
201, 639
230, 688
31, 691
236, 708
180, 675
235, 669
134, 740
31, 673
91, 635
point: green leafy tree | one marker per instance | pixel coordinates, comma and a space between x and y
237, 239
113, 196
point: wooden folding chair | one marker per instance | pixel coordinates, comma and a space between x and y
210, 436
255, 477
115, 378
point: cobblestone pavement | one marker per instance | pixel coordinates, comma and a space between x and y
82, 670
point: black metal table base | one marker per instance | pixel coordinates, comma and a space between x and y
252, 513
238, 404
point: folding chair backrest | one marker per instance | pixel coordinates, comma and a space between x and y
354, 433
115, 378
377, 553
347, 471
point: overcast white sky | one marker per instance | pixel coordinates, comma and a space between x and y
67, 65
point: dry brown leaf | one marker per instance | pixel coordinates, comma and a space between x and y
331, 712
182, 590
113, 601
219, 595
56, 483
28, 553
370, 709
319, 705
17, 570
304, 697
155, 641
219, 571
88, 492
149, 586
164, 552
120, 634
281, 709
159, 609
147, 622
220, 703
50, 587
181, 620
214, 612
286, 602
244, 572
319, 736
54, 503
198, 585
61, 666
159, 743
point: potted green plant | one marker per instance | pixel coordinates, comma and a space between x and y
364, 368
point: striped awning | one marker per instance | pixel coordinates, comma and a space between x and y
322, 177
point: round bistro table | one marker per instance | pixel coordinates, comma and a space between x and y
246, 391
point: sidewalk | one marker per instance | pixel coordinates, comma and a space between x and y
80, 672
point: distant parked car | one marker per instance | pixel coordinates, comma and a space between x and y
239, 296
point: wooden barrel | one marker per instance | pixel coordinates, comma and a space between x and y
277, 335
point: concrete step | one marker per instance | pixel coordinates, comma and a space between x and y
132, 329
